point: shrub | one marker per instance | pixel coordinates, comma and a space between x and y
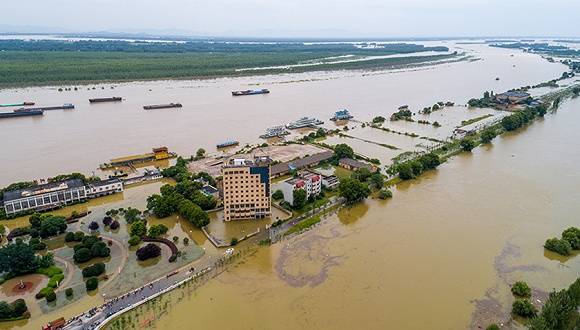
69, 237
69, 292
157, 230
278, 194
234, 241
43, 292
50, 296
385, 193
467, 144
82, 255
559, 246
107, 221
523, 307
93, 225
185, 241
134, 240
114, 225
148, 251
79, 235
94, 270
521, 289
91, 284
492, 326
138, 228
572, 235
19, 307
175, 239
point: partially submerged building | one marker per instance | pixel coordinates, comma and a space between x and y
513, 97
246, 190
310, 182
104, 187
298, 164
353, 165
43, 197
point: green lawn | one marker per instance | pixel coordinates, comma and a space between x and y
303, 225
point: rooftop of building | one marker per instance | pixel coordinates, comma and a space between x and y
209, 190
104, 182
354, 163
42, 188
300, 163
304, 176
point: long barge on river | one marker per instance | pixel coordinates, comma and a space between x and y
21, 113
162, 106
106, 99
304, 122
226, 144
250, 92
160, 153
21, 104
65, 106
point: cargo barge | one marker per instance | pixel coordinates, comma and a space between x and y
160, 153
65, 106
304, 122
275, 131
341, 115
162, 106
250, 92
106, 99
21, 113
227, 144
22, 104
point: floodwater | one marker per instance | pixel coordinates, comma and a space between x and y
440, 255
64, 141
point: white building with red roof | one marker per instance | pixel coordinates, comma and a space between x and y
310, 182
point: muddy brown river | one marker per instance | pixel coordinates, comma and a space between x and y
440, 255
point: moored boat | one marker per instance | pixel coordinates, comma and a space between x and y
250, 92
106, 99
304, 122
341, 115
21, 113
226, 144
162, 106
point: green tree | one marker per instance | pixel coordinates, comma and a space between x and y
488, 135
193, 213
50, 296
467, 144
157, 230
572, 235
19, 307
521, 289
134, 240
69, 292
429, 161
278, 194
92, 284
559, 246
362, 174
17, 258
352, 190
524, 308
385, 193
492, 326
200, 153
138, 228
343, 151
406, 171
52, 225
82, 255
377, 180
299, 198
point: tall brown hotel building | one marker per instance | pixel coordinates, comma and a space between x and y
246, 190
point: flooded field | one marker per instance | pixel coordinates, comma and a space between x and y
81, 139
440, 255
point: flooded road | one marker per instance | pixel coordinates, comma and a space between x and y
439, 255
81, 139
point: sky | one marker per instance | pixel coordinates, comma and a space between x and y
298, 18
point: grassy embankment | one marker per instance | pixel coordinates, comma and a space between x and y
90, 62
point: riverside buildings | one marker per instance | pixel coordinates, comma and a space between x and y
246, 189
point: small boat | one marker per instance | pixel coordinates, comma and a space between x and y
227, 144
162, 106
250, 92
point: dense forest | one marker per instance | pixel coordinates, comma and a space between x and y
49, 62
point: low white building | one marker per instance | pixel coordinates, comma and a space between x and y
104, 187
310, 182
